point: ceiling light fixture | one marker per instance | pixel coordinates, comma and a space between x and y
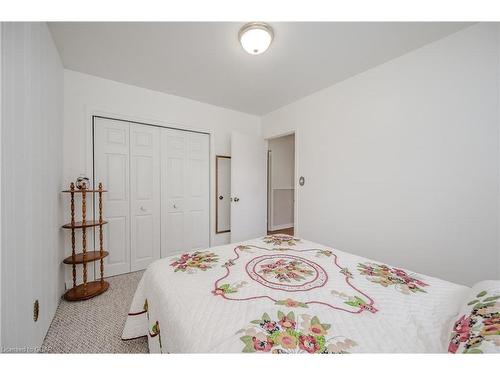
256, 37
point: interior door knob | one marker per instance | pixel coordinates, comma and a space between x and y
142, 208
221, 197
236, 199
175, 206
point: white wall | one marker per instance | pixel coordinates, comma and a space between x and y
401, 162
31, 145
85, 95
281, 192
1, 117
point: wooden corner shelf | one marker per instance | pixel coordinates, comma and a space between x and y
87, 224
89, 256
87, 289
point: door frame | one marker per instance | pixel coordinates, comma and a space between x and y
217, 194
295, 132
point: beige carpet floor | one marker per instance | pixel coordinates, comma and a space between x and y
96, 325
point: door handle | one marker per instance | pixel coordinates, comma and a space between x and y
175, 206
221, 197
142, 208
236, 199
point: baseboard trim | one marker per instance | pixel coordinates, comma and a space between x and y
282, 226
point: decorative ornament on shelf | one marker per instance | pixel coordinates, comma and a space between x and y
82, 182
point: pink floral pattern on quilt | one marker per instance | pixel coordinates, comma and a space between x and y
288, 334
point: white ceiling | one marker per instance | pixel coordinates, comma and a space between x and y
204, 61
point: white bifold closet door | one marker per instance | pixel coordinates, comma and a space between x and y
127, 162
144, 195
157, 202
112, 168
185, 191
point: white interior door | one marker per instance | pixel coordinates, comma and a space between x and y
144, 195
185, 191
112, 163
248, 187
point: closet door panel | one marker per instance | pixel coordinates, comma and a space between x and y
115, 239
175, 232
144, 251
197, 191
185, 191
111, 159
173, 185
144, 195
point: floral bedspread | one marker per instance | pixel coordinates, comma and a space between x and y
281, 294
477, 330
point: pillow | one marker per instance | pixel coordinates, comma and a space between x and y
477, 326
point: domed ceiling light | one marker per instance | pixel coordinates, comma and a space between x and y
256, 37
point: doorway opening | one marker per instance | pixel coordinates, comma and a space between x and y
281, 185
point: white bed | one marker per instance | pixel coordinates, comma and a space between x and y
280, 294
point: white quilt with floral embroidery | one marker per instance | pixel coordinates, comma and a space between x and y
280, 294
477, 330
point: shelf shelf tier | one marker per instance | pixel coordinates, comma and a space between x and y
84, 191
86, 291
87, 224
88, 256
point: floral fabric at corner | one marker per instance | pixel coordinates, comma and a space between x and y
385, 276
155, 332
201, 260
481, 326
284, 335
280, 239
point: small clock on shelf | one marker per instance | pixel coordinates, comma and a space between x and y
82, 182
